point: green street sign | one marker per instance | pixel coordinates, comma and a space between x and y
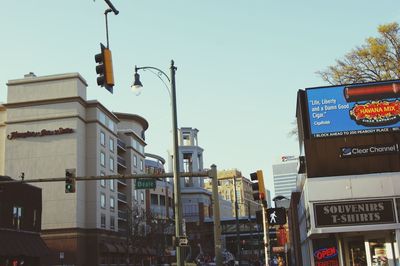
145, 183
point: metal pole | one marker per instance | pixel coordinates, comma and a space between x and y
265, 226
237, 222
216, 214
177, 185
251, 229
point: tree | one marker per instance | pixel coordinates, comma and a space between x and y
376, 60
146, 229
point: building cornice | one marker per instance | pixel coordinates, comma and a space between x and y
47, 78
134, 117
44, 102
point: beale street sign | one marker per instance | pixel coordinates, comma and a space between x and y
361, 212
42, 133
145, 183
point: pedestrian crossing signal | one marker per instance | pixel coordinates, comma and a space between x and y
276, 216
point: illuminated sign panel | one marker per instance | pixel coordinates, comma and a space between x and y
325, 252
354, 109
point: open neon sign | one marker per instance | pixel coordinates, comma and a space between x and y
325, 253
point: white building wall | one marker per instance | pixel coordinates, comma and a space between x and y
47, 87
285, 178
3, 136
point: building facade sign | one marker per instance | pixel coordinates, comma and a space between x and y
370, 150
354, 109
43, 132
348, 213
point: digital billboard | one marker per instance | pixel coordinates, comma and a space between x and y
354, 109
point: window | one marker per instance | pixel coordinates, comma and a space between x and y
187, 162
135, 195
112, 187
111, 125
102, 181
112, 204
102, 138
154, 199
111, 144
112, 222
142, 197
102, 118
186, 138
102, 159
135, 160
191, 210
17, 215
103, 200
227, 195
141, 165
162, 200
103, 220
140, 148
111, 164
34, 218
206, 211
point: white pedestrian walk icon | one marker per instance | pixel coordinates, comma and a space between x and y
272, 217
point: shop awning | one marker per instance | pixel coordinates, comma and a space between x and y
120, 248
17, 243
108, 248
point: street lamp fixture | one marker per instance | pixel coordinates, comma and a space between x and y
136, 86
279, 198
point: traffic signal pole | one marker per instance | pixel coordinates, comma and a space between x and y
106, 177
210, 174
266, 233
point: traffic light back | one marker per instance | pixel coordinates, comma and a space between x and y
105, 68
258, 185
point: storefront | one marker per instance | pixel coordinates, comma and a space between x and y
354, 233
349, 172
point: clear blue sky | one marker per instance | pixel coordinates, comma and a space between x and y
240, 63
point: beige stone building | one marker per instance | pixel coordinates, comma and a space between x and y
244, 193
47, 126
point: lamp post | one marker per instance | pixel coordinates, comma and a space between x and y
177, 189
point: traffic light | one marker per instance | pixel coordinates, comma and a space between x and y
104, 68
70, 175
258, 185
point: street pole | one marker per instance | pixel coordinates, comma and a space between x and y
177, 185
265, 227
216, 214
251, 229
237, 223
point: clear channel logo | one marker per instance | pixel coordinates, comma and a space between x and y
369, 150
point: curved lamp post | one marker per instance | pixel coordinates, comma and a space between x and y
137, 84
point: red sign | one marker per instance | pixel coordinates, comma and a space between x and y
327, 263
43, 132
282, 239
376, 113
325, 253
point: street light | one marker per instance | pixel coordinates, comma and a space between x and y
280, 198
137, 84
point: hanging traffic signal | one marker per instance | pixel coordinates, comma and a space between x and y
70, 180
104, 68
258, 185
